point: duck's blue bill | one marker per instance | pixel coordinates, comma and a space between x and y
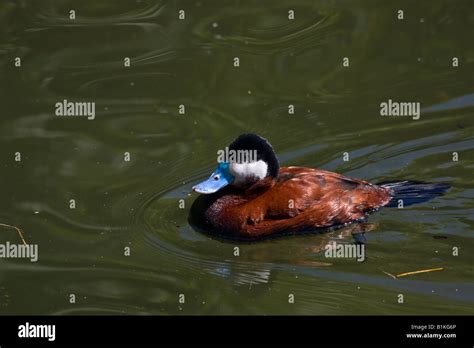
219, 179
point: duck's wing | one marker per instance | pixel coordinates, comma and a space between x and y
306, 198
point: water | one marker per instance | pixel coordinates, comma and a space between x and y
135, 204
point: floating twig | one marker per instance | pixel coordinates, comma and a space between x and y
420, 271
389, 274
414, 272
17, 229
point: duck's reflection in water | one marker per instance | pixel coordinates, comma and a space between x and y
258, 261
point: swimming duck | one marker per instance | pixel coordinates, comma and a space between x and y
258, 198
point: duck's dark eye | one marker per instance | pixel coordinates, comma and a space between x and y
216, 177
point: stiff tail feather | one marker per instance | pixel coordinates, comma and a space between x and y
413, 192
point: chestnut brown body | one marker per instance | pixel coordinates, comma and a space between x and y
298, 199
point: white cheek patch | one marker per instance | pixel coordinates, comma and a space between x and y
244, 172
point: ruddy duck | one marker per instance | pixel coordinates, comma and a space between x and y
255, 199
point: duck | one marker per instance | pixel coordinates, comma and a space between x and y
253, 197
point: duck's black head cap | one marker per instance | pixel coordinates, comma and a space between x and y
264, 149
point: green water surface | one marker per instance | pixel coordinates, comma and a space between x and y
190, 62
